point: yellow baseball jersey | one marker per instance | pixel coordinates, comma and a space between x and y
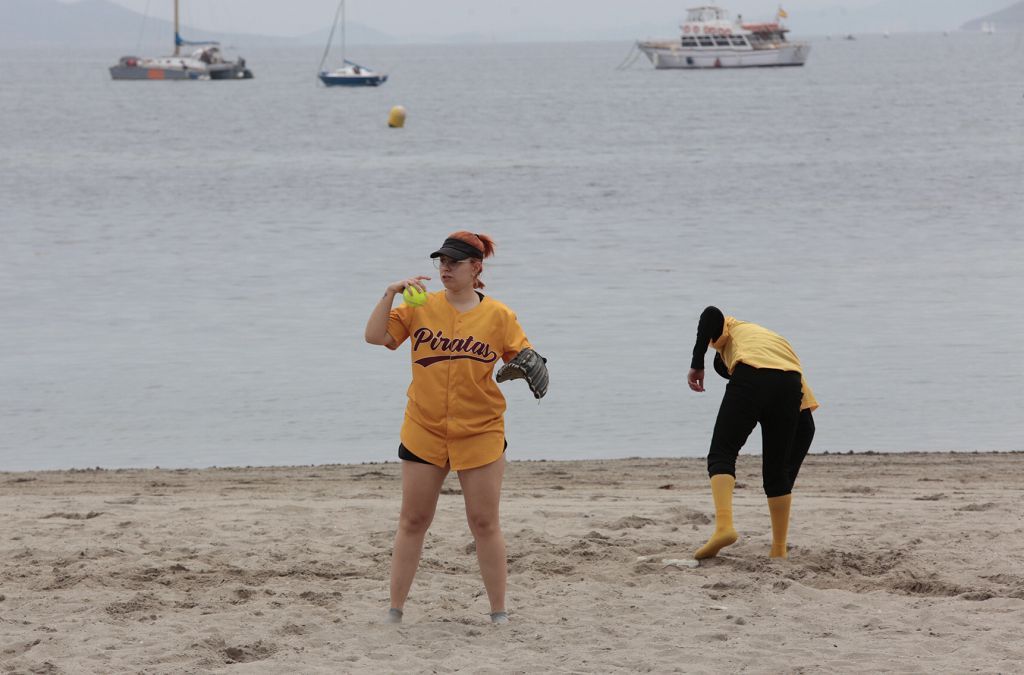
455, 413
756, 346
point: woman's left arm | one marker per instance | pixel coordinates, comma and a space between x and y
515, 339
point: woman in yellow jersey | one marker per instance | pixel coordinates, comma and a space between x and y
454, 419
766, 387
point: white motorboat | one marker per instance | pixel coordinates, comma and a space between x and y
711, 38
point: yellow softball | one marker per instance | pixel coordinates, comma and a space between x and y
414, 297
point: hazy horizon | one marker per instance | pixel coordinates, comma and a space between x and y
573, 18
271, 17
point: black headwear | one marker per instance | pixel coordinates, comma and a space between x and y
456, 249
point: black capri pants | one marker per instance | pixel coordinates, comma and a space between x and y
801, 444
770, 398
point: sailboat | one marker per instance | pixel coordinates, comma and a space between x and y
204, 63
350, 74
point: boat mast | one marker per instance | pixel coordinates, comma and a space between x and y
177, 48
330, 38
343, 32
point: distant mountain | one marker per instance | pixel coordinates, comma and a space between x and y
894, 16
99, 23
355, 34
897, 16
1005, 20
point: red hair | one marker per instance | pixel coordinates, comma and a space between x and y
478, 241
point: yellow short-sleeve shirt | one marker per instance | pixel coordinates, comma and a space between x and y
756, 346
455, 413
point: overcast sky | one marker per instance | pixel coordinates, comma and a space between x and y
448, 17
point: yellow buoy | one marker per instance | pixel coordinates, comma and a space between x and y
396, 119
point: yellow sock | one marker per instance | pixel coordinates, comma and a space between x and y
778, 507
725, 534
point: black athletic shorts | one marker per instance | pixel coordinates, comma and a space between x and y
409, 456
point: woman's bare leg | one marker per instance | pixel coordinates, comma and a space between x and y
421, 485
481, 488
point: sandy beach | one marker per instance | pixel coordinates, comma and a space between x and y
898, 563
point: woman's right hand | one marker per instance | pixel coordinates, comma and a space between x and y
695, 378
415, 282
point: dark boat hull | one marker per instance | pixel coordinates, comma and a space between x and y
353, 80
235, 73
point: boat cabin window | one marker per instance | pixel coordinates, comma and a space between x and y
689, 41
738, 41
767, 38
705, 41
721, 41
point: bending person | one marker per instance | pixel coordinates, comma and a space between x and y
455, 416
766, 387
804, 430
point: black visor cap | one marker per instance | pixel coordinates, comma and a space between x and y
456, 249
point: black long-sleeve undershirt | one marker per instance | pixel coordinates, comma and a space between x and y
720, 367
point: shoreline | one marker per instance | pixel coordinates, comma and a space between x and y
396, 462
901, 561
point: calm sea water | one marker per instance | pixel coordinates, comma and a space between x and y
186, 268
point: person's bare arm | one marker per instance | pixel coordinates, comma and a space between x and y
377, 324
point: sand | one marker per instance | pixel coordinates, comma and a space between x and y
898, 563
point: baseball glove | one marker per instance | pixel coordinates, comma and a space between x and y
530, 366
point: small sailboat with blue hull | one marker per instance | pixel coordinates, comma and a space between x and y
350, 74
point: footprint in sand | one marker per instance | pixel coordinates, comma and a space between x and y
634, 522
249, 653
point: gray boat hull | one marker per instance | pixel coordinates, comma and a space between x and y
232, 71
137, 73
